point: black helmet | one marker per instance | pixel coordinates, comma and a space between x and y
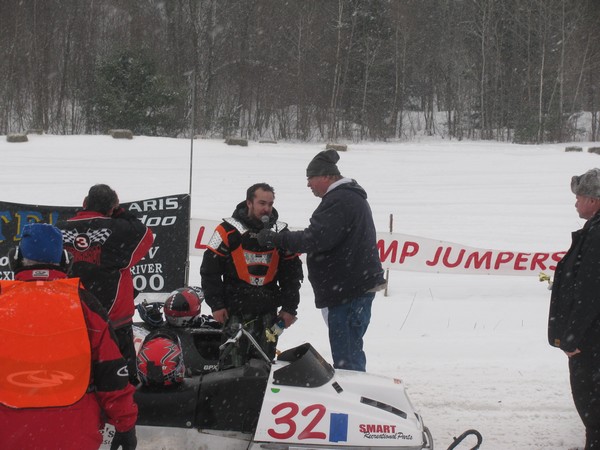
183, 305
151, 313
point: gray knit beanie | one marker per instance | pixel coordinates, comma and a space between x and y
587, 184
323, 164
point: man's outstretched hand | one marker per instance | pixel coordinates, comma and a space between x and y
268, 238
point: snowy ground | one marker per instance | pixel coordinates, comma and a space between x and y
471, 348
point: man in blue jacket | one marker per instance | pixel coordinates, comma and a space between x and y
343, 261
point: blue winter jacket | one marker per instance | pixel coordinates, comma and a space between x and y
341, 246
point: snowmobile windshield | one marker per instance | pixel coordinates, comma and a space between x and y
307, 368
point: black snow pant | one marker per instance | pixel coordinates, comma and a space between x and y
584, 369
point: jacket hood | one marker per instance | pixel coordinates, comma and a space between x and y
353, 186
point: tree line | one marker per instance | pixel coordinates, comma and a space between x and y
513, 70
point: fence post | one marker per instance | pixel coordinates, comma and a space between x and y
387, 271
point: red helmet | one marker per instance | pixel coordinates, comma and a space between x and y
183, 305
160, 362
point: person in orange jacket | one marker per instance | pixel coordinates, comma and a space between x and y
61, 372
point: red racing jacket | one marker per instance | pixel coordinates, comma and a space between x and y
104, 249
105, 395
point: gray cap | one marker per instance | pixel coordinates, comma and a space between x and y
323, 164
587, 184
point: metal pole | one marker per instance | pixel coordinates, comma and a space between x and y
191, 175
192, 129
387, 271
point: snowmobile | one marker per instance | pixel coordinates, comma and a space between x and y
298, 401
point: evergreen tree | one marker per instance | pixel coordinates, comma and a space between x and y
130, 94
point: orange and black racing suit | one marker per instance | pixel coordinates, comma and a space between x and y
250, 281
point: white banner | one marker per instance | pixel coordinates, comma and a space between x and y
412, 253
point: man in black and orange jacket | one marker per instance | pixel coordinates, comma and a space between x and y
106, 241
62, 374
244, 282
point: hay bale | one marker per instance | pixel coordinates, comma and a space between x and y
595, 150
35, 131
573, 148
336, 147
16, 137
121, 134
237, 141
267, 142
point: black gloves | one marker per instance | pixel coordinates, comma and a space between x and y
124, 439
268, 238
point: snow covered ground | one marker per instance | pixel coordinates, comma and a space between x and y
471, 348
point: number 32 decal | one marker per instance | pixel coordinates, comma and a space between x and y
288, 412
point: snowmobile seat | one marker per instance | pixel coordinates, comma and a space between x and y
207, 342
168, 406
231, 399
196, 363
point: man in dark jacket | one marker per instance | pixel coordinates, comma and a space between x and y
62, 374
245, 282
574, 319
106, 241
343, 262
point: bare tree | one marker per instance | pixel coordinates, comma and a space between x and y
333, 69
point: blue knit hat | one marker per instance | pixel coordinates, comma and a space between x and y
41, 242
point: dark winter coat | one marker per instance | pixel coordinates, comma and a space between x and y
104, 249
341, 246
574, 319
109, 397
240, 275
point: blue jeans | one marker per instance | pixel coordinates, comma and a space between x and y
347, 325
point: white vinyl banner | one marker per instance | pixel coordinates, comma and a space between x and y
418, 254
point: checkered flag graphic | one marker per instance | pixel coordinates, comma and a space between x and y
96, 236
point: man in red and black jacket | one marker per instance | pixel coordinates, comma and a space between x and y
58, 388
106, 241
